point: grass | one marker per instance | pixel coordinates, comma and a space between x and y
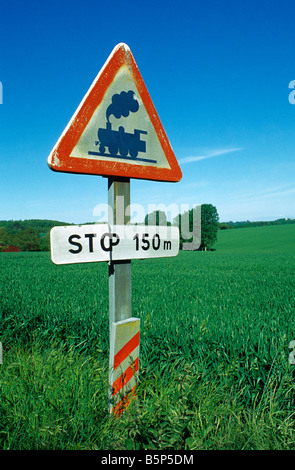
272, 239
214, 369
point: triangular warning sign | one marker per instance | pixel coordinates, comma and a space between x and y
116, 130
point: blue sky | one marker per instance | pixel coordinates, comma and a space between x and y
218, 73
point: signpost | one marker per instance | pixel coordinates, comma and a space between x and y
116, 132
124, 363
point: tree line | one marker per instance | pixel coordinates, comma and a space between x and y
33, 234
247, 223
28, 235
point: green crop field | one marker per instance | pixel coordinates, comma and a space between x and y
214, 354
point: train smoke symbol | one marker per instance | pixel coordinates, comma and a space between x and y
122, 104
121, 144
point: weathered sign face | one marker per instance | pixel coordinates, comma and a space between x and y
104, 242
116, 130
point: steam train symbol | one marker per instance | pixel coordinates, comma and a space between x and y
120, 141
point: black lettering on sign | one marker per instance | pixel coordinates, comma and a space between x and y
79, 249
145, 243
156, 242
113, 241
90, 236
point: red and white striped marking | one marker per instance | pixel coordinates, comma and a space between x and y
124, 362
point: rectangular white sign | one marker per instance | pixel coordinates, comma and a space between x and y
104, 242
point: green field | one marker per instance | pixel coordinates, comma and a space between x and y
214, 355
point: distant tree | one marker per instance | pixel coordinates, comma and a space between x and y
27, 240
156, 218
224, 226
45, 242
15, 226
4, 237
209, 228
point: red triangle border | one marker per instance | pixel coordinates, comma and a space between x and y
60, 160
